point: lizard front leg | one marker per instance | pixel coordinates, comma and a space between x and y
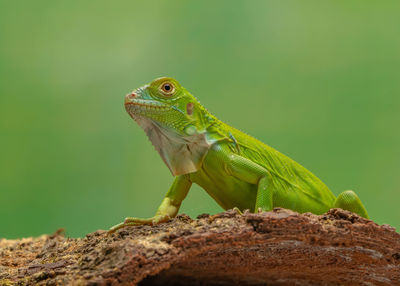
250, 172
169, 206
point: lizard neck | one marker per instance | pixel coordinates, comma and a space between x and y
216, 130
181, 154
184, 154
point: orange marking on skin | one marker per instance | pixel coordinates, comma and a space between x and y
189, 108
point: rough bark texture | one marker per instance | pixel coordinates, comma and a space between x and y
280, 247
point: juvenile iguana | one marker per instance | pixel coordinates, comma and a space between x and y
235, 169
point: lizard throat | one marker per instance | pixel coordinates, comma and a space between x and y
181, 154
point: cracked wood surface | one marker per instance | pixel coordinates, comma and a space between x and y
279, 247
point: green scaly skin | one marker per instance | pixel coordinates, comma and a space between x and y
235, 169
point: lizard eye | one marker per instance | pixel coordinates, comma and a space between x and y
167, 88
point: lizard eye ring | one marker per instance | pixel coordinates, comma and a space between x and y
167, 88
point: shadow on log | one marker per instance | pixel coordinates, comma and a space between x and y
280, 247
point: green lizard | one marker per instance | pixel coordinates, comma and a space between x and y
235, 169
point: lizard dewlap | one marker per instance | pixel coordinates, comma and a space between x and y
235, 169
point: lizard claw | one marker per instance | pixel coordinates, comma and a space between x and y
238, 210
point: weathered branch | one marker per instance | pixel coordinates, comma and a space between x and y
280, 247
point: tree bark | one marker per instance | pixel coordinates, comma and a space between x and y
279, 247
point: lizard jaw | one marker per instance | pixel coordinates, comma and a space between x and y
146, 104
136, 105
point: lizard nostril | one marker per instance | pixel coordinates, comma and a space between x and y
130, 96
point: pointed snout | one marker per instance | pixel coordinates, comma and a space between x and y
129, 97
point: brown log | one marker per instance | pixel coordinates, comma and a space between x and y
280, 247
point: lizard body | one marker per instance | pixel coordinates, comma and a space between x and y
235, 169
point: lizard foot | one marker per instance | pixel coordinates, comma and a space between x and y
134, 221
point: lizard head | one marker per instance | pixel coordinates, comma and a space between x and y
174, 121
166, 103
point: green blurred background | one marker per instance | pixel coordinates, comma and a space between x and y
317, 80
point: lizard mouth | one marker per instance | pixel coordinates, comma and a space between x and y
140, 103
142, 106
